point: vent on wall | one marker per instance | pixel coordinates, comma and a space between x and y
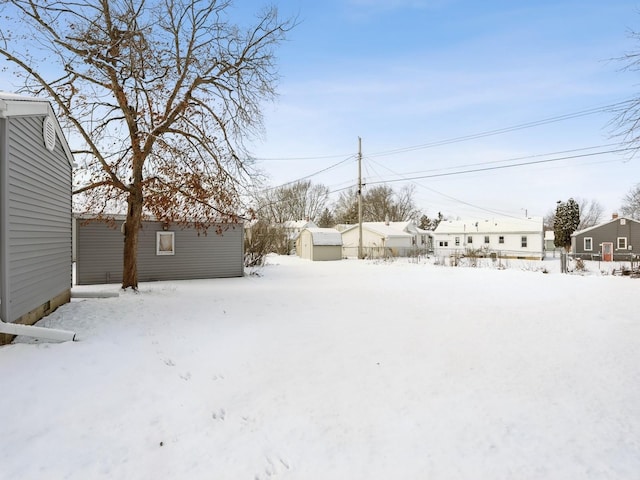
49, 134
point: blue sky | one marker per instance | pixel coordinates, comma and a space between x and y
406, 73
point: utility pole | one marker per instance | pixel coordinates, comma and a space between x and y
360, 255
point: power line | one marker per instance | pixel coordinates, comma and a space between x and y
311, 174
537, 155
485, 169
453, 198
499, 131
464, 138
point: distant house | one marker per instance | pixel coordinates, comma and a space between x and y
381, 239
549, 242
165, 252
319, 244
35, 211
505, 237
292, 229
615, 240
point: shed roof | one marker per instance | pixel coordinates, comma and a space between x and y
325, 236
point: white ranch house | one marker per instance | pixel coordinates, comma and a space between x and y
385, 238
293, 228
504, 237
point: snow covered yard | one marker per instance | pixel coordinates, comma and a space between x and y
354, 370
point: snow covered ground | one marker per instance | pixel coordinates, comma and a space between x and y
336, 370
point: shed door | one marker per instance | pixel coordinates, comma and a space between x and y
607, 251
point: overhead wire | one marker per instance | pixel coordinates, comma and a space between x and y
458, 139
500, 131
500, 167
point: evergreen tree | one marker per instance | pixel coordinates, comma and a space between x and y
565, 223
427, 223
326, 219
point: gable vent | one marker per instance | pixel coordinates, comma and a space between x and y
49, 134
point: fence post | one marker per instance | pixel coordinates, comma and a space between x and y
563, 262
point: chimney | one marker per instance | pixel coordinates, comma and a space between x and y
614, 215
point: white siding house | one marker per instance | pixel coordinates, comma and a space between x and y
504, 237
292, 229
385, 238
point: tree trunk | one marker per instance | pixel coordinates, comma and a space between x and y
132, 228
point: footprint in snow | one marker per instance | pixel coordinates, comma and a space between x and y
274, 467
219, 415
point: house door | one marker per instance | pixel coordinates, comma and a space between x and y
607, 251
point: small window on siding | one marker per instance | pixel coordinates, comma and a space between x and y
165, 243
469, 239
622, 243
457, 241
501, 239
444, 244
523, 241
486, 239
588, 244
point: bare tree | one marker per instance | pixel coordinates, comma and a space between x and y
631, 203
346, 207
382, 203
298, 201
405, 207
591, 212
379, 203
159, 95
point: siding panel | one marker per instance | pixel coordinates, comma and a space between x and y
38, 232
100, 254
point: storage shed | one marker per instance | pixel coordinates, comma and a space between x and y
319, 244
165, 252
35, 211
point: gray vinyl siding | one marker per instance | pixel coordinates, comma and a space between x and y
99, 251
609, 232
37, 218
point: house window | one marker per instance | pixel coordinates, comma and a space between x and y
423, 240
501, 239
165, 243
444, 244
457, 241
413, 240
469, 239
588, 244
622, 243
523, 241
486, 239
